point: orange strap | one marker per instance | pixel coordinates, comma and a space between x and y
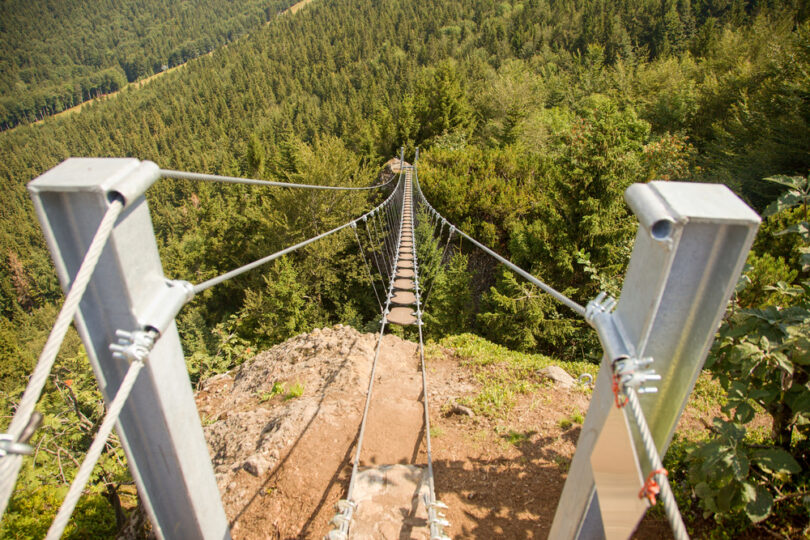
619, 403
651, 487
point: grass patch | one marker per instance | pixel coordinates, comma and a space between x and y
707, 393
503, 374
516, 437
296, 391
278, 389
436, 431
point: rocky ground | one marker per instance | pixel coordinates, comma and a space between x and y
282, 428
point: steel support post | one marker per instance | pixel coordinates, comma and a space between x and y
690, 248
159, 426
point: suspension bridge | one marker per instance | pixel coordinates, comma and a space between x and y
690, 247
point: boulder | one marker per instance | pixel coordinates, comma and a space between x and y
557, 374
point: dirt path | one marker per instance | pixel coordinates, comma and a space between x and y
283, 462
395, 426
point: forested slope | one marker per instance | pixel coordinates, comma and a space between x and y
57, 54
533, 117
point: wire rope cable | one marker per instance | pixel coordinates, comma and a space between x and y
94, 452
433, 519
10, 465
368, 267
205, 285
348, 509
202, 177
670, 504
560, 297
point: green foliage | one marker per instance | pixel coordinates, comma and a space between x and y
533, 117
760, 358
279, 310
296, 391
731, 477
50, 64
504, 374
72, 410
32, 509
278, 389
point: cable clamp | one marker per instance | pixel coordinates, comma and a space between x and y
631, 373
601, 304
20, 447
651, 487
354, 224
133, 346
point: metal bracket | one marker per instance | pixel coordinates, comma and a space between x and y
599, 314
167, 303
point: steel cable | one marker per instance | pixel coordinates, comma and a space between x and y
10, 465
670, 504
435, 527
182, 175
368, 267
205, 285
560, 297
99, 441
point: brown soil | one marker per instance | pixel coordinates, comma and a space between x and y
282, 464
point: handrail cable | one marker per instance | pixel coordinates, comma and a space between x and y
69, 310
10, 465
203, 177
560, 297
205, 285
671, 509
94, 452
368, 267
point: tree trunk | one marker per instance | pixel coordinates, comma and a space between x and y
782, 429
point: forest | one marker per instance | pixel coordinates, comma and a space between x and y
532, 117
57, 54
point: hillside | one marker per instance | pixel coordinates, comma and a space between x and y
56, 55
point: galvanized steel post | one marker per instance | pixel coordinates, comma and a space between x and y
690, 248
159, 426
